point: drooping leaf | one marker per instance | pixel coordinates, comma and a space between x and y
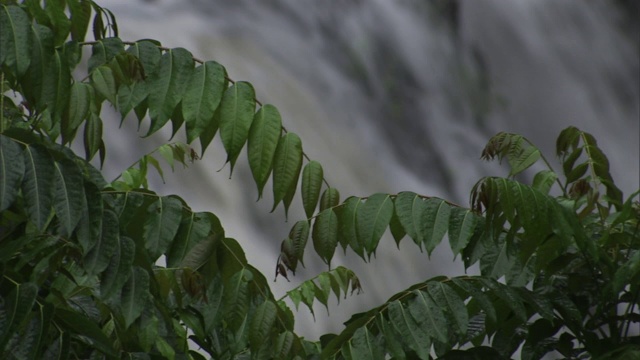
264, 135
286, 167
347, 227
236, 114
435, 222
409, 207
372, 220
37, 186
167, 85
135, 295
462, 225
80, 17
312, 176
202, 97
92, 136
15, 39
98, 258
68, 195
299, 236
77, 111
161, 225
397, 230
12, 167
104, 82
131, 96
325, 235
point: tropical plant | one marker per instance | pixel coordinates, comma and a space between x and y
97, 269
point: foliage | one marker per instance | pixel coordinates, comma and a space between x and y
92, 269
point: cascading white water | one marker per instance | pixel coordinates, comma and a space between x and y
393, 96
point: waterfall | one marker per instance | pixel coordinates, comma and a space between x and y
393, 96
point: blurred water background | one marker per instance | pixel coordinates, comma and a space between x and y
392, 96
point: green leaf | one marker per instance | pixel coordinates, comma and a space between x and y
77, 111
526, 157
462, 225
429, 316
347, 233
193, 229
103, 51
283, 345
161, 225
15, 309
167, 85
299, 236
543, 181
40, 67
131, 96
135, 295
409, 207
312, 177
236, 114
330, 198
80, 17
325, 235
365, 346
450, 302
104, 82
286, 167
37, 186
12, 168
68, 195
149, 54
372, 220
15, 39
397, 230
119, 269
90, 224
98, 258
410, 331
435, 222
202, 97
262, 324
59, 21
264, 135
92, 136
236, 299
